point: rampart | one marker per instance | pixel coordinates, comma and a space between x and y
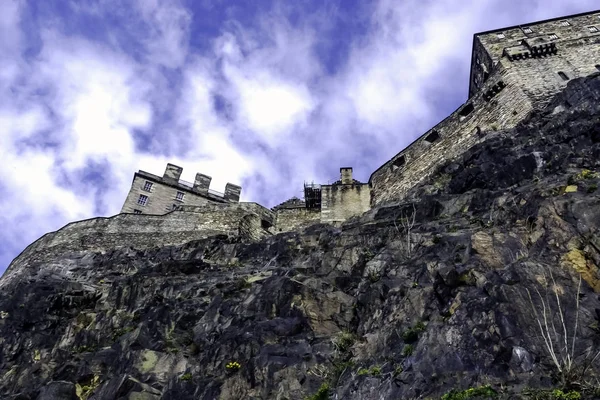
249, 221
451, 137
513, 71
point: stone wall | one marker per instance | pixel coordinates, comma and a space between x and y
450, 138
248, 220
289, 219
342, 201
514, 70
169, 192
162, 198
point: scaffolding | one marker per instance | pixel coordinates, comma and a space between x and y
312, 195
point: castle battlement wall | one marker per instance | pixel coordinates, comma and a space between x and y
249, 221
513, 71
450, 138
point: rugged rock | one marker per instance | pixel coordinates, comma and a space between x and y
444, 291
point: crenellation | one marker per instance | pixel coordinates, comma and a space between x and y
514, 70
152, 194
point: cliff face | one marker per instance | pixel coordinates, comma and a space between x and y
445, 291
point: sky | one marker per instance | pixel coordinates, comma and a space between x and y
266, 94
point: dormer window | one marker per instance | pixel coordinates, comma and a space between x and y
553, 36
501, 36
593, 29
565, 23
527, 30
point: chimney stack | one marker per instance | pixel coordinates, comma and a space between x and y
172, 173
201, 183
232, 192
346, 173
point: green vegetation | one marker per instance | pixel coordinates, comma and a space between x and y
483, 392
233, 366
411, 335
322, 393
592, 188
375, 370
343, 341
408, 350
85, 390
186, 377
583, 175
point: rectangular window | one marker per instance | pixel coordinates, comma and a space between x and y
501, 36
593, 29
143, 200
137, 211
553, 36
148, 186
179, 196
563, 76
527, 30
466, 110
398, 162
565, 23
432, 137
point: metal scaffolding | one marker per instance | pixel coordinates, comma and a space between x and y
312, 195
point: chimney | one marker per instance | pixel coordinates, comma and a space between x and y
232, 192
346, 173
172, 173
201, 183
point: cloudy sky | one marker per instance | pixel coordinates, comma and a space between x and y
262, 93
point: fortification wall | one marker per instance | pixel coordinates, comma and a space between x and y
248, 220
450, 138
289, 219
342, 201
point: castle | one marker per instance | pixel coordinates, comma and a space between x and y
514, 70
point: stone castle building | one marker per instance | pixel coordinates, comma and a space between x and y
514, 70
152, 194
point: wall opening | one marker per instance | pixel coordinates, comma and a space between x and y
598, 67
563, 76
432, 137
466, 110
398, 162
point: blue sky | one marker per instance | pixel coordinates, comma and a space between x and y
266, 94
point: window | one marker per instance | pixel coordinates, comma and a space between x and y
563, 75
398, 162
565, 23
553, 36
137, 211
432, 137
598, 67
593, 29
527, 30
148, 186
174, 206
466, 110
143, 200
179, 196
501, 36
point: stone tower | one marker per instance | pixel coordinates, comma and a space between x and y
513, 71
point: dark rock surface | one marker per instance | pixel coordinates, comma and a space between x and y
386, 307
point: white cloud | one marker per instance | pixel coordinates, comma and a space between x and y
282, 118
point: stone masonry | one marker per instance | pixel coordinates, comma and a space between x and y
513, 70
152, 194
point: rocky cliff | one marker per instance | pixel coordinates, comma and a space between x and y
483, 284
